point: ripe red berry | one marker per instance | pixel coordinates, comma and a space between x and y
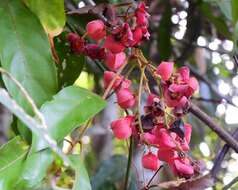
125, 98
94, 51
115, 61
182, 167
165, 70
113, 45
122, 128
120, 82
77, 43
150, 161
96, 29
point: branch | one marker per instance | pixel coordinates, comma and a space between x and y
220, 157
234, 181
92, 3
199, 46
210, 85
223, 134
214, 101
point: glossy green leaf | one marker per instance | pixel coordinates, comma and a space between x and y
25, 53
34, 169
70, 65
33, 124
111, 170
71, 107
51, 14
12, 156
82, 181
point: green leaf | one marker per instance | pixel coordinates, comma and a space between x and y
235, 38
234, 8
31, 123
25, 53
111, 170
71, 107
51, 14
219, 22
70, 65
224, 5
12, 155
164, 33
82, 181
34, 169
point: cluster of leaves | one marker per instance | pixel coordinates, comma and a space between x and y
25, 52
26, 48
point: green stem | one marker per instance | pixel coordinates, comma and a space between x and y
139, 99
129, 164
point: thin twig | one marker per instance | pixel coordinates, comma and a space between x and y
220, 157
234, 181
212, 87
223, 134
151, 179
199, 46
139, 99
92, 3
108, 89
215, 101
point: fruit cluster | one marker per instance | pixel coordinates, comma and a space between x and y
162, 130
111, 44
161, 126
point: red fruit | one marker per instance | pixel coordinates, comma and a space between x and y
127, 37
167, 155
137, 36
72, 36
165, 70
193, 84
165, 139
145, 32
120, 82
184, 74
122, 127
94, 51
96, 29
141, 15
125, 98
150, 138
115, 61
188, 132
77, 43
151, 99
150, 161
108, 77
183, 168
113, 45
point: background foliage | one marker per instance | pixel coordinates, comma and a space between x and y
201, 34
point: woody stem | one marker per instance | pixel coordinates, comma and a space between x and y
223, 134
